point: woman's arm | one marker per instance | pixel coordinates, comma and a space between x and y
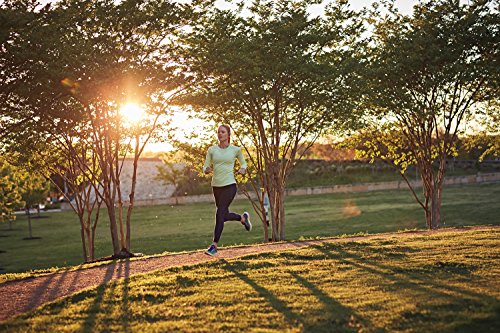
208, 162
243, 163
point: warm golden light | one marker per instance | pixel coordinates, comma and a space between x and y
132, 112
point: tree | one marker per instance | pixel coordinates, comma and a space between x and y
34, 191
429, 73
388, 144
171, 172
10, 194
279, 78
76, 63
487, 141
77, 166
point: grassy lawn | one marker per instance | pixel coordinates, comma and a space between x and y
309, 173
437, 283
189, 227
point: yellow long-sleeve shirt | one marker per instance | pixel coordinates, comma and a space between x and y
222, 160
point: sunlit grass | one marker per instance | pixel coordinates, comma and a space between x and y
159, 229
441, 283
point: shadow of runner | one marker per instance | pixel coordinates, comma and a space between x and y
95, 308
339, 316
280, 306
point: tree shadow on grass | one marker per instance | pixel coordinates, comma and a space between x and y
100, 305
422, 280
40, 290
407, 274
52, 286
486, 325
56, 285
97, 305
73, 286
293, 318
125, 309
339, 318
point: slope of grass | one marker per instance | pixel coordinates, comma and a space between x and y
437, 283
160, 229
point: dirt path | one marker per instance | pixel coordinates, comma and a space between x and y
20, 296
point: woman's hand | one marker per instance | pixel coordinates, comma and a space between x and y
207, 170
242, 171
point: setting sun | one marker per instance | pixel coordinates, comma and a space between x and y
132, 112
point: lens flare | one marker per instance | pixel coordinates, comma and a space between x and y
71, 85
350, 209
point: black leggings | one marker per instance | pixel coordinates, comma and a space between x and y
223, 197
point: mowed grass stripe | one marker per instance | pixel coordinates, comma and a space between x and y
160, 229
438, 283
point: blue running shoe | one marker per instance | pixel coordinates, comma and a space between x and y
212, 250
247, 224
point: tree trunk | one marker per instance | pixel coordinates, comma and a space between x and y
282, 213
433, 185
92, 248
132, 192
433, 207
82, 235
113, 228
266, 229
427, 203
123, 244
29, 222
435, 210
273, 215
263, 203
90, 256
428, 218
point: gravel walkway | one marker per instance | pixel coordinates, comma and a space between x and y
21, 296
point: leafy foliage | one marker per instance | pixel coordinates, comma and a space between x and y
429, 73
35, 189
10, 192
279, 78
68, 71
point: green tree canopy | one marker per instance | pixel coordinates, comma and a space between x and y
279, 78
429, 73
10, 192
72, 66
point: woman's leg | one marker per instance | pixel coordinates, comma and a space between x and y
223, 198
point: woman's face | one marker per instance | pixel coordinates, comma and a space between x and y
222, 133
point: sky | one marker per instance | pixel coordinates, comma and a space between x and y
405, 6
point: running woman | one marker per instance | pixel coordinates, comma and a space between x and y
220, 160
